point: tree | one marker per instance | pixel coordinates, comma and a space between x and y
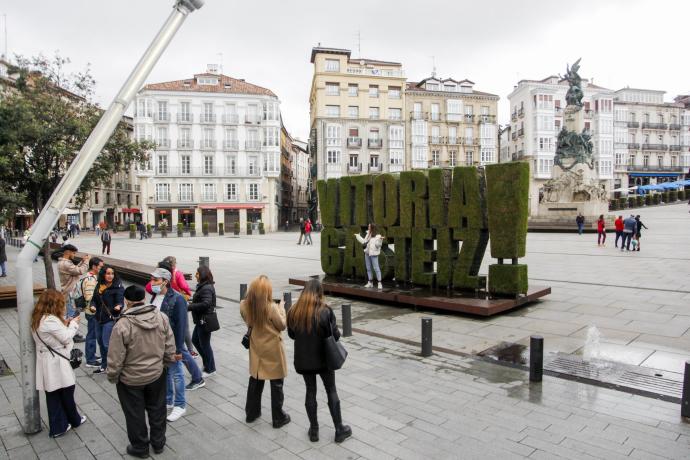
44, 121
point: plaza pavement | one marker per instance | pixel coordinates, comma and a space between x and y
404, 406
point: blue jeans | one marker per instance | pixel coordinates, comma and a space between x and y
175, 385
3, 266
70, 311
103, 332
191, 366
372, 261
580, 227
91, 339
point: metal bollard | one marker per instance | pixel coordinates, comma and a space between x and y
536, 358
685, 399
287, 298
347, 319
243, 291
426, 337
204, 262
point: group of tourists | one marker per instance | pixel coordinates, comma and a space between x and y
145, 345
628, 231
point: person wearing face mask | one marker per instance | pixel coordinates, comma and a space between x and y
174, 307
108, 298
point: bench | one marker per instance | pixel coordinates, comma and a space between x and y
8, 294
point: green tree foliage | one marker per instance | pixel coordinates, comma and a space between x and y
44, 121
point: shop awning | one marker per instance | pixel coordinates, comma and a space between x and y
232, 206
653, 174
132, 210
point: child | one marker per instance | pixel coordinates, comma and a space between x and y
634, 242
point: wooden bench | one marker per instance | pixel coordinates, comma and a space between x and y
8, 294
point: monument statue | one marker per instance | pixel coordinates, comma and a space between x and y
574, 94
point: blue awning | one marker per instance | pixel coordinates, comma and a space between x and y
651, 174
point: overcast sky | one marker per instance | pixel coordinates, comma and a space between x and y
637, 43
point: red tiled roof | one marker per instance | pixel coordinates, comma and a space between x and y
236, 86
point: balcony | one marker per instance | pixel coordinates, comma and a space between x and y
435, 140
469, 118
375, 143
520, 153
454, 117
208, 144
334, 170
376, 168
647, 125
487, 118
253, 146
161, 117
162, 144
185, 144
513, 116
654, 146
558, 111
185, 118
231, 119
513, 136
521, 132
521, 112
589, 113
208, 197
163, 198
354, 142
357, 169
675, 148
395, 167
674, 127
435, 116
633, 124
655, 168
419, 115
469, 141
453, 141
633, 146
207, 118
231, 145
252, 118
396, 143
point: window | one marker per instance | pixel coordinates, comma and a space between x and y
449, 87
373, 91
332, 65
209, 192
396, 157
544, 167
419, 132
452, 155
546, 144
353, 90
207, 80
231, 164
435, 134
354, 161
484, 110
353, 132
620, 159
374, 162
452, 135
660, 160
332, 89
417, 111
186, 192
271, 111
162, 193
432, 86
454, 110
469, 136
353, 111
435, 158
253, 192
545, 101
395, 114
645, 161
469, 157
162, 164
95, 197
374, 113
209, 139
271, 137
162, 137
487, 155
394, 92
333, 135
185, 112
469, 111
435, 112
545, 123
231, 192
333, 156
396, 137
144, 108
184, 137
332, 110
207, 115
162, 110
208, 164
252, 166
185, 164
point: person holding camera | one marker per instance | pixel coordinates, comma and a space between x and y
54, 373
69, 276
265, 320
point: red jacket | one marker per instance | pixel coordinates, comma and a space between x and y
307, 227
619, 224
601, 226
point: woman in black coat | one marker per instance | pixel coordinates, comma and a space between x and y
108, 298
310, 321
203, 301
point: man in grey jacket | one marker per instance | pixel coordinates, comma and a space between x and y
141, 346
629, 228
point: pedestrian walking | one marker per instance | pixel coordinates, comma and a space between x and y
638, 231
69, 274
372, 248
601, 231
301, 230
629, 228
265, 320
310, 323
108, 298
618, 223
203, 302
54, 374
3, 257
307, 232
84, 294
142, 345
580, 221
106, 239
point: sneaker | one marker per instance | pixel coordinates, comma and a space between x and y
368, 285
158, 450
380, 286
136, 453
69, 427
83, 420
100, 370
194, 386
176, 413
206, 375
94, 364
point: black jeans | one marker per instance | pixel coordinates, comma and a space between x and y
254, 391
62, 410
619, 235
202, 342
328, 379
138, 400
106, 246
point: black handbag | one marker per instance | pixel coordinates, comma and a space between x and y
210, 321
245, 338
335, 352
74, 356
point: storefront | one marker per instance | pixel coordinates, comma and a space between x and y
652, 178
131, 215
161, 214
186, 216
210, 217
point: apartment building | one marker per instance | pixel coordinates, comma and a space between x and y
652, 138
449, 123
537, 115
356, 114
217, 158
301, 167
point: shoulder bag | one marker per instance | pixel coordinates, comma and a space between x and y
335, 351
209, 320
74, 356
246, 337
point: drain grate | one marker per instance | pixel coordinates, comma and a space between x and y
5, 369
634, 379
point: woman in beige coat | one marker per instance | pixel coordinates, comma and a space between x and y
265, 321
54, 374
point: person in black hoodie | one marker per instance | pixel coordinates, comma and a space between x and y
310, 321
203, 301
108, 298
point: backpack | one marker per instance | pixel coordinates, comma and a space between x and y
105, 237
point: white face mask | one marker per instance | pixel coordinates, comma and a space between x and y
156, 288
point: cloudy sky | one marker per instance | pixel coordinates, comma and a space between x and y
637, 43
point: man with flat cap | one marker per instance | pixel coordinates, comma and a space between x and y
69, 277
141, 347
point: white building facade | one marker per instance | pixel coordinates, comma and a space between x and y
217, 156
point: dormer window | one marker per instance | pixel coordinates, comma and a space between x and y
449, 87
432, 86
465, 88
209, 81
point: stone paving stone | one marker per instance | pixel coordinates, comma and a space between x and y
553, 449
21, 453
